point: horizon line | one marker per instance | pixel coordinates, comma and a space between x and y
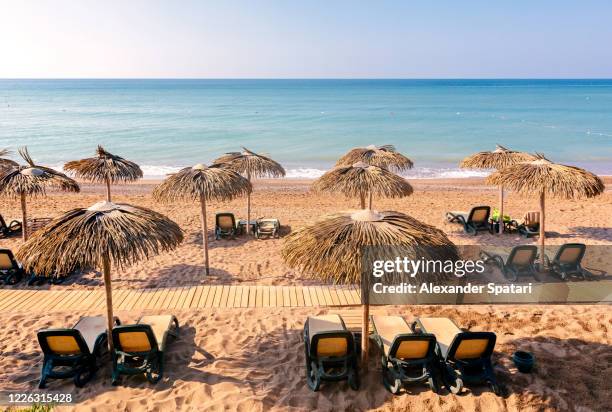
305, 78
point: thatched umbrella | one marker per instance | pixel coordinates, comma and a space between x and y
103, 234
105, 168
497, 159
543, 177
251, 165
382, 156
359, 179
31, 181
332, 248
5, 163
202, 183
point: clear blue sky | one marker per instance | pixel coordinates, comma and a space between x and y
302, 39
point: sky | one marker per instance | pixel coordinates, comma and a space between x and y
305, 39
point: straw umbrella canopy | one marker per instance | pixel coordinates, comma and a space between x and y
382, 156
545, 178
5, 163
202, 183
497, 159
359, 179
332, 248
31, 181
105, 168
251, 165
102, 235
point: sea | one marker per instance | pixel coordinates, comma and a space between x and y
167, 124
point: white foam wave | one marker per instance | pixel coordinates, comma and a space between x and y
304, 173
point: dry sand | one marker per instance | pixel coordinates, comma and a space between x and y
253, 359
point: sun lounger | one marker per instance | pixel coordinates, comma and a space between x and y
73, 353
225, 225
140, 348
520, 261
465, 357
407, 357
12, 228
11, 271
567, 262
529, 226
331, 354
267, 227
474, 221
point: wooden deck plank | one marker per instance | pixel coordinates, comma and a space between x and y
300, 296
238, 297
272, 293
14, 299
334, 295
61, 304
306, 294
211, 296
313, 295
279, 296
147, 296
188, 298
259, 296
218, 296
128, 302
266, 296
176, 300
320, 296
25, 301
327, 294
47, 298
231, 296
286, 296
225, 296
159, 298
196, 297
205, 293
170, 297
118, 297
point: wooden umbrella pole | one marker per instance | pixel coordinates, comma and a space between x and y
501, 210
106, 267
370, 202
362, 200
248, 222
24, 218
204, 232
108, 194
365, 325
542, 231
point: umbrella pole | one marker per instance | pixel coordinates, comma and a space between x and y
501, 210
24, 218
365, 325
108, 195
248, 222
370, 202
362, 200
109, 299
542, 231
204, 232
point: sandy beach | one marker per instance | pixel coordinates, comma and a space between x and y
258, 261
253, 359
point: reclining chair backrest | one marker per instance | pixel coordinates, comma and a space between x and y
137, 338
267, 224
471, 345
62, 342
524, 255
411, 346
531, 219
570, 253
7, 260
479, 214
226, 221
335, 343
2, 223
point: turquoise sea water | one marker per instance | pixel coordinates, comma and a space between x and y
307, 124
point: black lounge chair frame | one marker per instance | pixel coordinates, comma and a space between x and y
13, 275
509, 268
398, 373
565, 270
11, 229
81, 367
318, 367
219, 232
470, 226
457, 372
150, 363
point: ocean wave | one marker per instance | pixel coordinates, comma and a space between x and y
160, 172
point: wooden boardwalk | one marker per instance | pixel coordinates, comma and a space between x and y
179, 298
